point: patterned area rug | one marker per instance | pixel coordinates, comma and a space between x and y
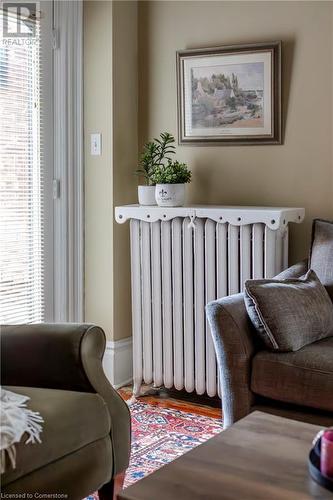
159, 435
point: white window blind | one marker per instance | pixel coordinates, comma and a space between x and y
21, 180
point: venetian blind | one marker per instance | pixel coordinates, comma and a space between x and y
21, 176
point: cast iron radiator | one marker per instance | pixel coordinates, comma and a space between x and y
182, 258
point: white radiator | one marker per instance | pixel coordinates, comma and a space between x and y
181, 259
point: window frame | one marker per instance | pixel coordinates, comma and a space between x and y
68, 161
46, 89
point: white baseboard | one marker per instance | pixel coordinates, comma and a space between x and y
117, 362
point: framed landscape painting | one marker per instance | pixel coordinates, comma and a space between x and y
230, 95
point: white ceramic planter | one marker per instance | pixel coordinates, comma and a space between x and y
170, 195
146, 195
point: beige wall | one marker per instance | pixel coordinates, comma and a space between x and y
299, 173
110, 107
125, 137
98, 169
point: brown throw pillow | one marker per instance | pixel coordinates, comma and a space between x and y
321, 253
289, 314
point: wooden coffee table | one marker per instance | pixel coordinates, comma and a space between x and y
260, 457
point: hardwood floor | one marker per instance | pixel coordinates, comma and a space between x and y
178, 400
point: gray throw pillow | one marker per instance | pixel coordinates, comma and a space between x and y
321, 253
289, 314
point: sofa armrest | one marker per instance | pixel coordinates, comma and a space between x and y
233, 339
68, 357
235, 344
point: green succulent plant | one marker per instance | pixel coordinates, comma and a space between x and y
154, 155
173, 172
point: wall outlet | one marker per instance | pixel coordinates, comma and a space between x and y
95, 144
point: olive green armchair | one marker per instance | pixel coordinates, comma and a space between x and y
86, 431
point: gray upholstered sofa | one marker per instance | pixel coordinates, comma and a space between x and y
86, 434
294, 384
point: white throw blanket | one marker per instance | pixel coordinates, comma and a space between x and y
15, 420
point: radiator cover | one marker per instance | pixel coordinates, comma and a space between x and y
182, 258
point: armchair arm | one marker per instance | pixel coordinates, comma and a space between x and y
233, 338
69, 357
235, 344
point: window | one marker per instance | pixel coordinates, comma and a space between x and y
41, 148
25, 167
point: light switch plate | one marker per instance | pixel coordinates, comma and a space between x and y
96, 144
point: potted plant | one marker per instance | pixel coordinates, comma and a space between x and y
170, 183
154, 154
